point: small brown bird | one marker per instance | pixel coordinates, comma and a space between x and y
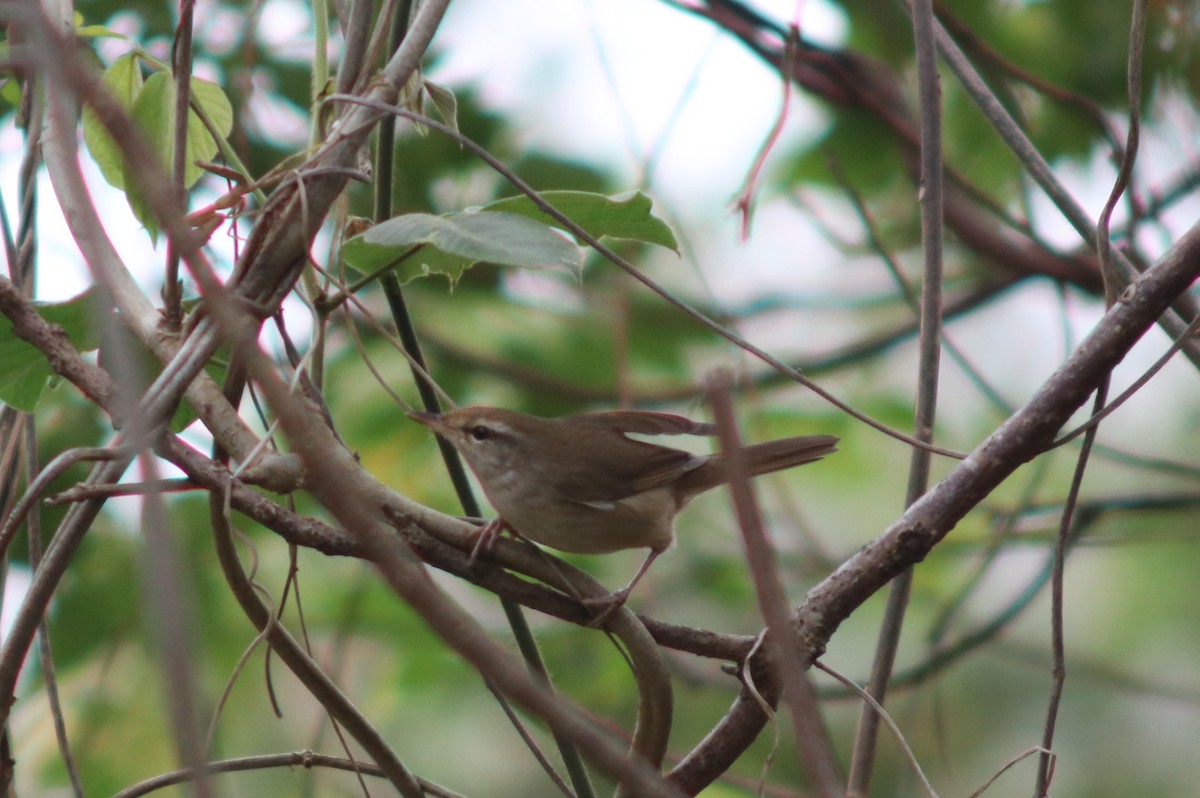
581, 484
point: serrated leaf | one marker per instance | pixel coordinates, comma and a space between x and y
24, 371
451, 245
625, 216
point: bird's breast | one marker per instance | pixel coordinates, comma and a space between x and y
643, 520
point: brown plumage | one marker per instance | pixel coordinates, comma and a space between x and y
581, 484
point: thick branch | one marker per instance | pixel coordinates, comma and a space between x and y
1024, 436
907, 541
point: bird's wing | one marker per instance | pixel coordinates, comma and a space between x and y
645, 422
619, 466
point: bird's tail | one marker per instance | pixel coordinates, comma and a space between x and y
759, 458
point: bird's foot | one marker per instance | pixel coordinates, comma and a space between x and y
485, 538
605, 606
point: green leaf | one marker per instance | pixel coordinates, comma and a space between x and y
622, 216
215, 104
97, 32
154, 110
10, 92
93, 31
124, 79
451, 245
24, 371
152, 105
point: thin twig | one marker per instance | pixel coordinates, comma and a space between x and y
80, 492
744, 204
814, 745
877, 708
45, 649
1058, 646
1137, 36
299, 759
928, 372
1136, 386
302, 665
53, 470
530, 743
181, 72
1037, 749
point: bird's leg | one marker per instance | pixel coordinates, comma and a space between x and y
485, 538
615, 600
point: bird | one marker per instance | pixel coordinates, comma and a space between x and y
581, 484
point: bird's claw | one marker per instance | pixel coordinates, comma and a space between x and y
607, 606
485, 538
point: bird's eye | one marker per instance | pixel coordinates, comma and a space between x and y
481, 433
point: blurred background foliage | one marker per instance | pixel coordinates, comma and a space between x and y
548, 345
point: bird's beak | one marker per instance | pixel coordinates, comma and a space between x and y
432, 420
